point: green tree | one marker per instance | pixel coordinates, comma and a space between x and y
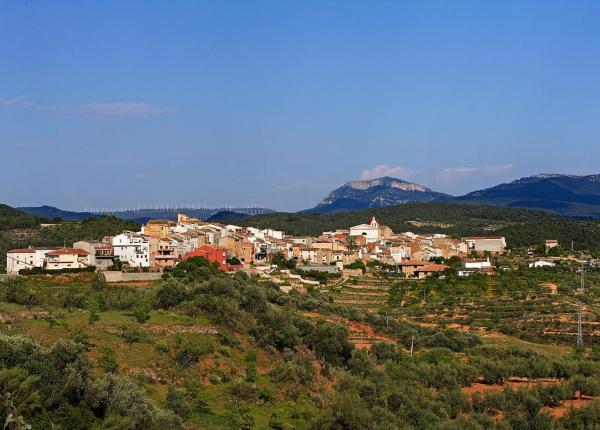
251, 366
330, 343
108, 360
177, 401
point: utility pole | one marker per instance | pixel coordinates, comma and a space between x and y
579, 310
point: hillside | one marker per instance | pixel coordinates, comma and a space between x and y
225, 216
11, 218
204, 350
52, 212
522, 227
569, 195
386, 191
24, 230
137, 215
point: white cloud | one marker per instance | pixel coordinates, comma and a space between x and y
15, 102
385, 170
451, 173
91, 110
118, 109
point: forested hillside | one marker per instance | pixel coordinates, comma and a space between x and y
11, 218
18, 230
521, 227
203, 350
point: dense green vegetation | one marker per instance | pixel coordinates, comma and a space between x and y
521, 227
208, 350
11, 218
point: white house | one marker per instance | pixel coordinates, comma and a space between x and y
494, 244
308, 254
65, 258
400, 253
132, 248
541, 263
368, 231
275, 234
477, 264
468, 267
25, 258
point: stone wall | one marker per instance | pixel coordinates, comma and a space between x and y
113, 276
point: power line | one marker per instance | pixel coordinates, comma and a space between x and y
579, 310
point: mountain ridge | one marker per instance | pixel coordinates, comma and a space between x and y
575, 196
373, 193
137, 215
569, 195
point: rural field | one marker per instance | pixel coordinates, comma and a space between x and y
204, 350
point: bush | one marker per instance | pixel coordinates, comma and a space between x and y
330, 343
132, 334
178, 403
171, 293
383, 351
141, 313
190, 348
108, 360
161, 346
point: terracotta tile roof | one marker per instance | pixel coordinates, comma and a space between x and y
433, 268
63, 251
30, 249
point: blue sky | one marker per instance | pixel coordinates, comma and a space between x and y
123, 103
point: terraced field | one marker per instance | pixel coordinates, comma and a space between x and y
532, 308
366, 293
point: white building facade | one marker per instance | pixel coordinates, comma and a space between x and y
368, 231
25, 258
132, 248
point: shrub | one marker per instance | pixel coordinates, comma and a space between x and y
161, 346
108, 360
141, 313
190, 348
178, 403
330, 343
170, 294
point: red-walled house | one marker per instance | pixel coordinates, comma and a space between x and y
211, 253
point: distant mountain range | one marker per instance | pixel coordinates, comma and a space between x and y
567, 195
52, 212
224, 216
139, 215
375, 193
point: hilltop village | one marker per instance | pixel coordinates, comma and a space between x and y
162, 244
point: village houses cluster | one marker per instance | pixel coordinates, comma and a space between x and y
163, 243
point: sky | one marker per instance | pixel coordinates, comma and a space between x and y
118, 104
